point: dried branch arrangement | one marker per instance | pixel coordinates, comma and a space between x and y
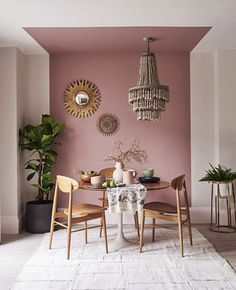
135, 152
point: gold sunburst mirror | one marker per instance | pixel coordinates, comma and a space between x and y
82, 98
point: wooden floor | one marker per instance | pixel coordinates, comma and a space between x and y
15, 250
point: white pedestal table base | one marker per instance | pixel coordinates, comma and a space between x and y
120, 241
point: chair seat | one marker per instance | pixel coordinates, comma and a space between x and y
161, 207
84, 209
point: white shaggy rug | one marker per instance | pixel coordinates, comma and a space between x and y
158, 267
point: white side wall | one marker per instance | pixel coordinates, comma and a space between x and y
202, 123
8, 144
20, 108
24, 96
227, 106
213, 130
37, 87
36, 103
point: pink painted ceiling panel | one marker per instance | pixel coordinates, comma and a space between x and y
116, 39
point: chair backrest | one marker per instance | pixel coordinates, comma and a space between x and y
178, 183
66, 184
107, 172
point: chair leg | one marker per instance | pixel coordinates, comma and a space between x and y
190, 231
101, 220
136, 222
51, 233
153, 230
54, 209
86, 232
105, 229
101, 226
68, 239
142, 230
181, 237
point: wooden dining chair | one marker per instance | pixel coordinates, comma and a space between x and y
77, 213
169, 212
107, 173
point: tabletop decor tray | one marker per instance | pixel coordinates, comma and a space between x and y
149, 179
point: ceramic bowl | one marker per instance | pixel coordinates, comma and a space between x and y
148, 173
97, 180
85, 177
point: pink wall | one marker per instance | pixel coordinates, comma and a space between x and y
167, 142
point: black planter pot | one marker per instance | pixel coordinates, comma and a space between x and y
38, 216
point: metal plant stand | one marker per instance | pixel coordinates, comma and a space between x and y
217, 198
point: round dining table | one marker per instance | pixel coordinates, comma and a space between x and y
120, 241
149, 186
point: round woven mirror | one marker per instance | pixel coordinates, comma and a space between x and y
108, 124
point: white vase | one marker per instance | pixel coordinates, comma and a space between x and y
224, 188
118, 173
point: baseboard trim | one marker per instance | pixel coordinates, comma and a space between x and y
11, 224
200, 215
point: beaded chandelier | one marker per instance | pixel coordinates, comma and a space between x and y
149, 97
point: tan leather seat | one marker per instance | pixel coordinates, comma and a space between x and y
162, 207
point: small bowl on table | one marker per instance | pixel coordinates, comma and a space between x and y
85, 178
148, 173
97, 180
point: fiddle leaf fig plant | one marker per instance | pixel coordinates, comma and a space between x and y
219, 174
39, 139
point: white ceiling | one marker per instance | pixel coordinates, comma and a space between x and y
15, 14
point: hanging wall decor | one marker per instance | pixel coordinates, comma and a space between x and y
108, 124
82, 98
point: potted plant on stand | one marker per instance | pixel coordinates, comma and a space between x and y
39, 140
222, 189
221, 175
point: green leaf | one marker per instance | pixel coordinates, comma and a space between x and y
31, 135
58, 127
47, 139
51, 157
47, 129
30, 176
29, 128
47, 169
32, 166
47, 119
50, 162
47, 176
27, 147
